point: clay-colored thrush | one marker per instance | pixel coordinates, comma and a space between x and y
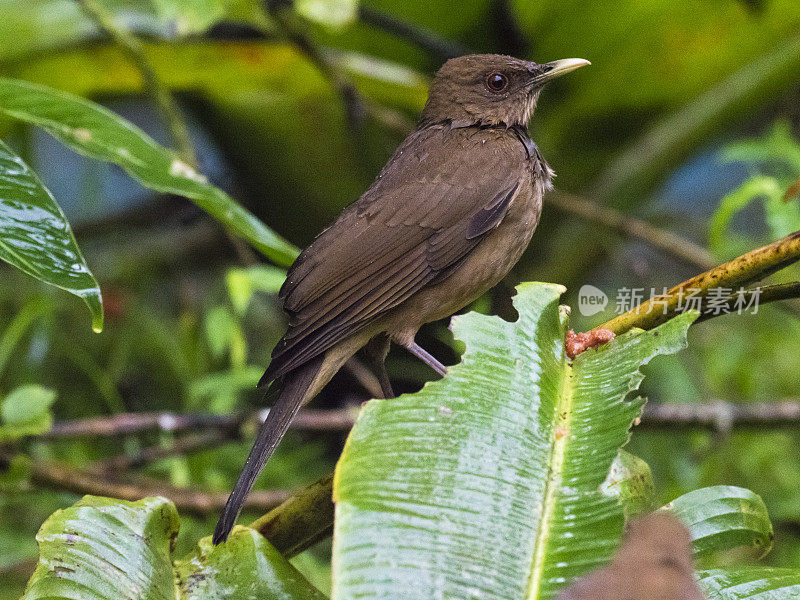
445, 220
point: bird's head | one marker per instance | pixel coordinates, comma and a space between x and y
490, 89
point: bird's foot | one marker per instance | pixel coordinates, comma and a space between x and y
427, 358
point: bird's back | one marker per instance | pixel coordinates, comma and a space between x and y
440, 194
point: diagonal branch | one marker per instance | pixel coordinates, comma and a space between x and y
301, 521
356, 105
64, 477
424, 38
743, 270
661, 239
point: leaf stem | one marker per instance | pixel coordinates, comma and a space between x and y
169, 109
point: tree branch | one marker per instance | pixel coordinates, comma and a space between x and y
661, 239
356, 106
426, 39
656, 416
127, 423
64, 477
745, 269
763, 295
721, 416
301, 521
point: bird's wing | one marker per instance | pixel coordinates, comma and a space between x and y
430, 206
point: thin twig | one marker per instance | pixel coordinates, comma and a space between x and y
161, 95
424, 38
761, 295
745, 269
357, 107
63, 477
671, 243
343, 419
721, 416
189, 444
128, 423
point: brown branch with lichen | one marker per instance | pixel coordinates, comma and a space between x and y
301, 521
743, 270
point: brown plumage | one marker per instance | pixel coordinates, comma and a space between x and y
445, 220
653, 563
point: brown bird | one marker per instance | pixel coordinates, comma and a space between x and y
445, 220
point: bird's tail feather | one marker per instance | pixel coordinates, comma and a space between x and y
294, 390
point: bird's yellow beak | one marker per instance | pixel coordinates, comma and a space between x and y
557, 68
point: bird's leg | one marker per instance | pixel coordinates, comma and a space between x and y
426, 357
376, 350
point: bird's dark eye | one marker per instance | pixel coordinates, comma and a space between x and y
496, 82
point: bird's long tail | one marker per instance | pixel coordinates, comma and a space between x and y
295, 389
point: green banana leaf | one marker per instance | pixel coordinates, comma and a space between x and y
488, 482
36, 238
101, 548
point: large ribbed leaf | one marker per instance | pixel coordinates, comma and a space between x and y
102, 549
97, 132
488, 483
751, 583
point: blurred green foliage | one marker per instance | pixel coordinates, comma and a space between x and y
677, 90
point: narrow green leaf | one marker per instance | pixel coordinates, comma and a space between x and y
36, 238
487, 483
724, 517
719, 236
97, 132
219, 325
26, 411
11, 335
752, 583
242, 283
109, 549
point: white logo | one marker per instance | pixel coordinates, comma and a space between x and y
591, 300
